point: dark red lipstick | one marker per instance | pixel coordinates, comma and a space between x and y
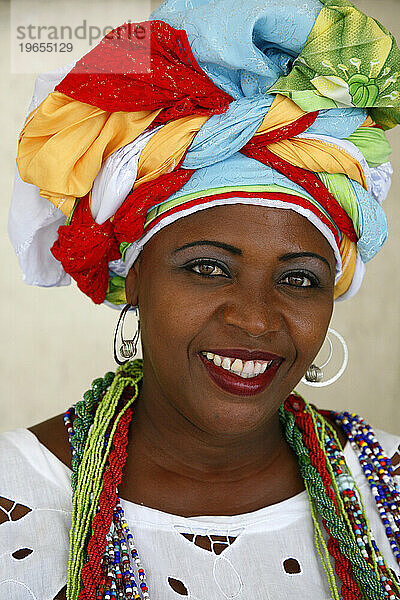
234, 384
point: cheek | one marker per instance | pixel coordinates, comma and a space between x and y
171, 315
309, 331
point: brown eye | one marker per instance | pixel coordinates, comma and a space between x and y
299, 280
208, 269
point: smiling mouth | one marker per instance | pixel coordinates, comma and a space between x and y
242, 373
246, 369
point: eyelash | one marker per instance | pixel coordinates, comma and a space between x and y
314, 282
207, 262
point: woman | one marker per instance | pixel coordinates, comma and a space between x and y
190, 190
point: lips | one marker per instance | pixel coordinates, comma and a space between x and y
234, 383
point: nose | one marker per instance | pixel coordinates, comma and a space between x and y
255, 312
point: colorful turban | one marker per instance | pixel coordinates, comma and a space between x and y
218, 102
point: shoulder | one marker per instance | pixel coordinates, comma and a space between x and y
34, 467
35, 513
53, 436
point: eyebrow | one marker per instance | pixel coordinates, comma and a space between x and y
222, 245
291, 255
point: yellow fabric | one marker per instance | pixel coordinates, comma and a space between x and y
166, 148
283, 111
369, 122
318, 156
64, 143
348, 252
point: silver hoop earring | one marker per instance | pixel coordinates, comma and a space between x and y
314, 374
122, 347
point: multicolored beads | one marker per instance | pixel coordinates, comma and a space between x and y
120, 563
351, 499
378, 471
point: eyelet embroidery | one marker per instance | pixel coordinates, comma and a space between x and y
22, 553
396, 462
291, 566
178, 586
10, 510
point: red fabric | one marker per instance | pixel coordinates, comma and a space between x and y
84, 249
91, 571
130, 72
308, 181
287, 131
298, 200
130, 217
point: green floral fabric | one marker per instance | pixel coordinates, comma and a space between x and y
349, 59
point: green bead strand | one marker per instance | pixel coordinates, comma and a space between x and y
90, 473
84, 411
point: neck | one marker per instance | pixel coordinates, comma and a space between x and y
179, 445
175, 460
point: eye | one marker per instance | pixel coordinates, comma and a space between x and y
207, 268
300, 279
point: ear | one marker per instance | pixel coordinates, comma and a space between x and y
132, 284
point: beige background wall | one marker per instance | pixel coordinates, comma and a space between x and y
55, 341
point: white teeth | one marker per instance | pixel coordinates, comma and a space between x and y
226, 364
245, 369
217, 360
257, 367
248, 368
237, 366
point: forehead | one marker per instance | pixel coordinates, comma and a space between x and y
251, 228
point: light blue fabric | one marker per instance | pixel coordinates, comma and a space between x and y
223, 135
372, 223
238, 170
243, 45
338, 122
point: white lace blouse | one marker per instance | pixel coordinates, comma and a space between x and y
247, 557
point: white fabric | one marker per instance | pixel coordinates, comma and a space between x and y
357, 280
33, 221
116, 177
381, 181
250, 568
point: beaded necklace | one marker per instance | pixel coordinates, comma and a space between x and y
104, 563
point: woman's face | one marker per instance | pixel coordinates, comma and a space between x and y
247, 286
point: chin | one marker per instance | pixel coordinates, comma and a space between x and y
232, 416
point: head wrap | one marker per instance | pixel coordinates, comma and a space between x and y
242, 103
